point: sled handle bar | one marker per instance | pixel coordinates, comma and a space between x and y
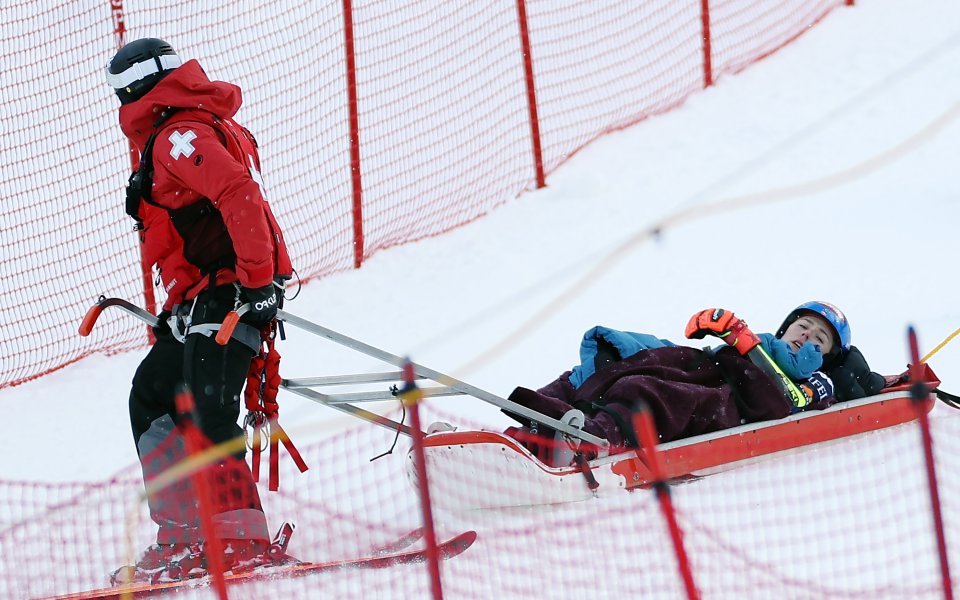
230, 323
93, 313
226, 329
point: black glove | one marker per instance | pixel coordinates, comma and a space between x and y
264, 302
162, 328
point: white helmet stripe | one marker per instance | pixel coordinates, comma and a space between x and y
139, 70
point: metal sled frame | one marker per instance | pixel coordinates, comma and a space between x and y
448, 386
344, 402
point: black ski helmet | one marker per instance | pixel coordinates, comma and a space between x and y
832, 315
138, 66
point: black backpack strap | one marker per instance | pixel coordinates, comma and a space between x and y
206, 243
141, 180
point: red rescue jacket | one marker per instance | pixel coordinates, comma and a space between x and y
201, 153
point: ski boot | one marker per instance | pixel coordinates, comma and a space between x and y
238, 556
156, 559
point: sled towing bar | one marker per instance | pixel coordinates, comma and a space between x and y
449, 386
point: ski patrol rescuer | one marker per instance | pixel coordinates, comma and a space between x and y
200, 207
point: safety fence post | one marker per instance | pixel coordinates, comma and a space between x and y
707, 51
920, 393
531, 91
354, 115
411, 396
194, 441
647, 435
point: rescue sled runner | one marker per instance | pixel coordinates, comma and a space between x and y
477, 458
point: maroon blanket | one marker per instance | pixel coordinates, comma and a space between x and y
689, 391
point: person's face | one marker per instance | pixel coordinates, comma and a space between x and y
809, 328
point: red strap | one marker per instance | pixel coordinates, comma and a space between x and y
274, 458
263, 384
271, 382
280, 435
255, 450
252, 393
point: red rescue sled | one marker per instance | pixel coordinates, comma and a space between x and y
509, 475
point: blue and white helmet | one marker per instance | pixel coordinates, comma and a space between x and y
833, 316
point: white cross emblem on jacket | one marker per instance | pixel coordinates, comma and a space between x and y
255, 174
181, 144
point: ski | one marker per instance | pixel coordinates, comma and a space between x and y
447, 549
408, 539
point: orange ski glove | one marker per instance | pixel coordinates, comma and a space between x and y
725, 325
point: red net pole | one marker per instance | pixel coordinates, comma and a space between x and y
119, 31
353, 110
531, 91
411, 396
647, 433
920, 392
707, 52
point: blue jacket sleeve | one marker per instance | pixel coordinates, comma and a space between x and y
797, 365
627, 344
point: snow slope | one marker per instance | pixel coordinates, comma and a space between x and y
827, 171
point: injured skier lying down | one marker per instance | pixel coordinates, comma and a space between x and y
808, 364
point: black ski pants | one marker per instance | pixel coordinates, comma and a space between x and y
215, 375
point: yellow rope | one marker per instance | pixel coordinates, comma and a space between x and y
939, 346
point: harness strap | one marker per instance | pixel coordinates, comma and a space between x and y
140, 184
248, 335
206, 243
